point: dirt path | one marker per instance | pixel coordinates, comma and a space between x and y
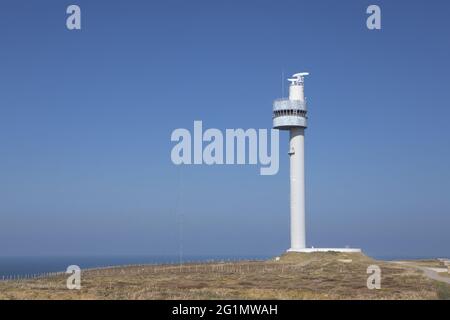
428, 271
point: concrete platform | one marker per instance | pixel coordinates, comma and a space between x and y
310, 250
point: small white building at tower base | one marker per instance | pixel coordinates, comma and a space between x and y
311, 250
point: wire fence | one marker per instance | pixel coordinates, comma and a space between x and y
208, 266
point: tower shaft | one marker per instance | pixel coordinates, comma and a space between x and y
297, 182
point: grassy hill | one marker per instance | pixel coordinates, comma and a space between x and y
292, 276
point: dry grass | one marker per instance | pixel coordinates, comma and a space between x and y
295, 276
443, 291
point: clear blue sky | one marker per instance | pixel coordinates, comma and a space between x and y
86, 118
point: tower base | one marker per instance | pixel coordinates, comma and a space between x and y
310, 250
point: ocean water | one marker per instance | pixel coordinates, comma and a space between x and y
22, 266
